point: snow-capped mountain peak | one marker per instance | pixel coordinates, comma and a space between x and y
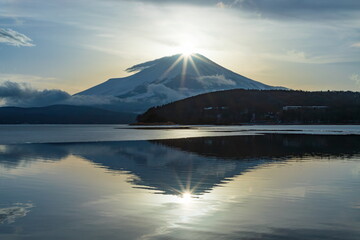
172, 78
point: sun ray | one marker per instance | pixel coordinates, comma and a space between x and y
183, 73
182, 188
172, 67
194, 65
193, 189
200, 58
189, 177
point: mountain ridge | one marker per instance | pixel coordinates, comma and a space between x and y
239, 106
62, 114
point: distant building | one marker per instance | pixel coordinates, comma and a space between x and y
287, 108
215, 108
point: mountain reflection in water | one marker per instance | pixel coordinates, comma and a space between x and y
175, 166
272, 186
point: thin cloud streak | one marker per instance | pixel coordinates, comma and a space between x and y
11, 37
304, 9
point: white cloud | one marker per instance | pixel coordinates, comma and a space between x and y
40, 82
289, 56
161, 90
217, 80
23, 77
356, 45
356, 78
10, 214
11, 37
108, 50
24, 95
220, 5
296, 54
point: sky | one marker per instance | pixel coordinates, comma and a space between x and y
73, 45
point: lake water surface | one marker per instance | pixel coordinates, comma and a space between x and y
262, 186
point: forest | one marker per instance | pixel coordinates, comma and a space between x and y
241, 106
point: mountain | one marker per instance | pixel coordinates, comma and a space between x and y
169, 79
239, 106
62, 114
165, 165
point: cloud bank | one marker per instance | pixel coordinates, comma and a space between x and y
14, 38
23, 95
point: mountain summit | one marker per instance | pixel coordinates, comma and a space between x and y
172, 78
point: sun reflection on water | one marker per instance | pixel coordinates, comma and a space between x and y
186, 198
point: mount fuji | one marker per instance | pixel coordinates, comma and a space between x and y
169, 79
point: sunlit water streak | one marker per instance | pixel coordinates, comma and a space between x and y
11, 134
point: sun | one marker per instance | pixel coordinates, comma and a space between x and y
187, 48
187, 51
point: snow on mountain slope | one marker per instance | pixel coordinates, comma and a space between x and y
172, 78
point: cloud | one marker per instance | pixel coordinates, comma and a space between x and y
278, 8
10, 21
299, 9
356, 45
14, 38
155, 93
217, 80
29, 78
91, 100
24, 95
145, 65
296, 56
290, 56
221, 5
161, 90
355, 78
10, 214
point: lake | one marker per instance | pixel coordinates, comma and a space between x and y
195, 182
